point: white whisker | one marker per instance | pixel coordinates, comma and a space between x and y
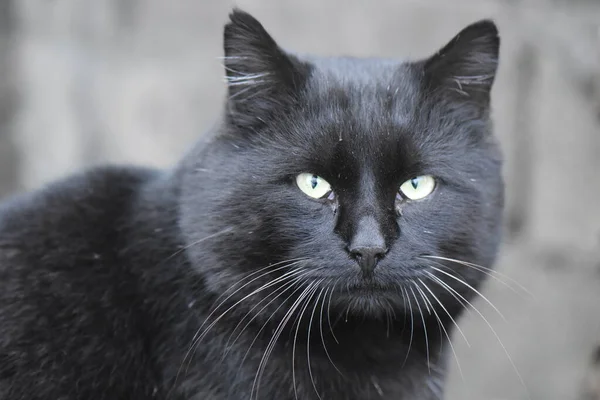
270, 269
276, 334
470, 287
441, 325
198, 338
254, 292
412, 325
226, 230
322, 337
493, 274
312, 380
447, 287
284, 302
306, 304
424, 327
286, 287
328, 311
446, 311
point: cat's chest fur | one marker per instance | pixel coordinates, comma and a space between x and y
374, 370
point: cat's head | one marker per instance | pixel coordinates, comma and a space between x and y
357, 179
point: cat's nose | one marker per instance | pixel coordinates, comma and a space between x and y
368, 245
367, 257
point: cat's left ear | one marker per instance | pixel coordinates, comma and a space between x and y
467, 64
262, 79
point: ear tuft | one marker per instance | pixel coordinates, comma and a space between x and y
262, 78
245, 37
468, 63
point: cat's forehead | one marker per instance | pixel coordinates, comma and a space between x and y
355, 70
366, 90
358, 114
366, 76
363, 100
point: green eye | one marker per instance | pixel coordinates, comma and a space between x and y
313, 185
418, 188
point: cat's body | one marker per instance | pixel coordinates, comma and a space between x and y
126, 283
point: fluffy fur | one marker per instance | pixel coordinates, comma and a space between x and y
220, 279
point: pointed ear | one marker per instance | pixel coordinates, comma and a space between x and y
467, 64
262, 78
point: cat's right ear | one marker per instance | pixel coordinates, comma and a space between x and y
262, 79
467, 65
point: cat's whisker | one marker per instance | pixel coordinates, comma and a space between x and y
184, 248
322, 336
493, 274
424, 302
304, 307
284, 302
267, 299
449, 288
446, 311
424, 327
435, 385
248, 283
276, 334
198, 337
387, 319
430, 306
412, 324
441, 325
269, 266
470, 287
292, 262
282, 289
460, 300
428, 303
312, 315
267, 285
266, 354
329, 309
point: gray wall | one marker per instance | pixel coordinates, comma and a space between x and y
84, 82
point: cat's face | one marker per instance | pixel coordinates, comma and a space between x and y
354, 179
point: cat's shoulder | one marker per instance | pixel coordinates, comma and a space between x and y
97, 190
79, 207
63, 289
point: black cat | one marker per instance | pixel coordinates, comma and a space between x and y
319, 246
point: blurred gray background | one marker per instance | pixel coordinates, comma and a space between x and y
84, 82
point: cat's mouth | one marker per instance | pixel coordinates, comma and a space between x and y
367, 290
368, 287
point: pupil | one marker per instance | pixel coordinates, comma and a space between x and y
314, 180
414, 182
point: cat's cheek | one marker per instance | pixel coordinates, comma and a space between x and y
317, 207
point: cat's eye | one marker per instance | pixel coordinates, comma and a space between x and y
313, 185
418, 188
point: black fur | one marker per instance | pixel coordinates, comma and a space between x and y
125, 283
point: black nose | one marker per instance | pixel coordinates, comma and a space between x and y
368, 245
367, 257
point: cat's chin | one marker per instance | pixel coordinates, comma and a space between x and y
370, 305
370, 300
